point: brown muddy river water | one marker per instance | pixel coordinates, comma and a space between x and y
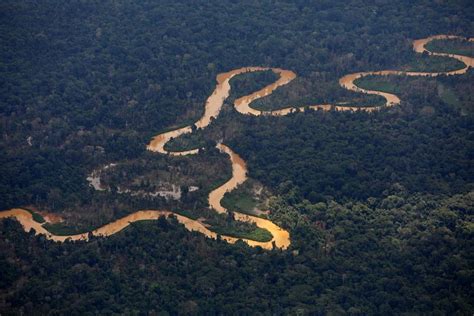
281, 237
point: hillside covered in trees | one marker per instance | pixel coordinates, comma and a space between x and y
378, 205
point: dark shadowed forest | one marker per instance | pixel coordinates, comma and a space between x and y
379, 206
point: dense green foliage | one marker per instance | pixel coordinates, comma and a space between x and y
433, 64
258, 234
111, 74
37, 217
379, 206
460, 47
90, 82
251, 197
243, 203
394, 255
380, 83
356, 156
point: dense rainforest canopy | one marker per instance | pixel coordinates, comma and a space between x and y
379, 206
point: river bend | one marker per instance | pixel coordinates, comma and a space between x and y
213, 106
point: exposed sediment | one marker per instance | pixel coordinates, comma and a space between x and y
281, 237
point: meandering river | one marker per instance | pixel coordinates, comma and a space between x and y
281, 237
